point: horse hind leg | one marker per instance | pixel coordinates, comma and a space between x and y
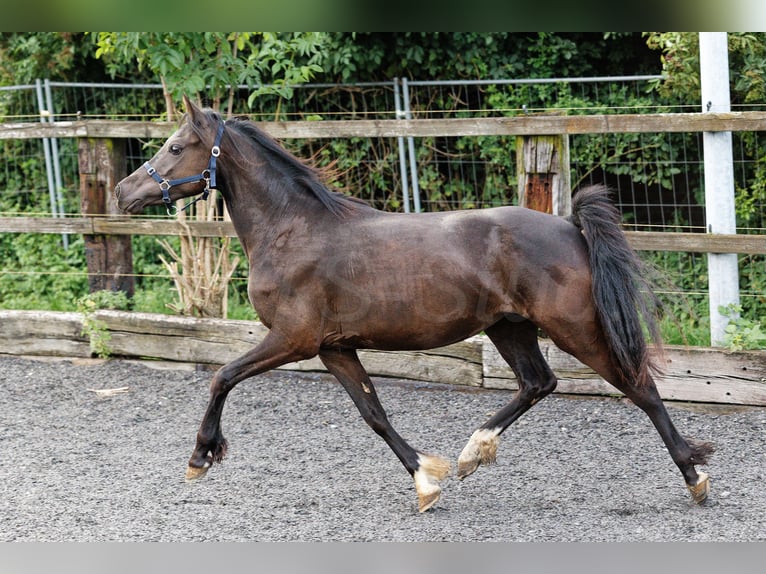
686, 453
426, 470
517, 344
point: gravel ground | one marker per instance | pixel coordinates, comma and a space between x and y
303, 466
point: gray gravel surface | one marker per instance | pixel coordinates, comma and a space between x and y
303, 466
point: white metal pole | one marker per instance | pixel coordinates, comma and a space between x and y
47, 149
723, 272
411, 148
402, 154
55, 156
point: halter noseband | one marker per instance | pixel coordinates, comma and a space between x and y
207, 175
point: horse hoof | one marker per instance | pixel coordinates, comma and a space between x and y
466, 467
430, 471
426, 501
481, 449
700, 490
193, 472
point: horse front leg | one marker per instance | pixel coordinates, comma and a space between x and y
426, 470
273, 351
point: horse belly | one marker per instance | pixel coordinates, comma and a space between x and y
424, 284
419, 310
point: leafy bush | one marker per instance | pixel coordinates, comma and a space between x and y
95, 329
742, 333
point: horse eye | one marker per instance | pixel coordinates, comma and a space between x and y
176, 149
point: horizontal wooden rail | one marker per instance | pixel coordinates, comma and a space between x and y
448, 127
697, 242
690, 374
115, 226
640, 240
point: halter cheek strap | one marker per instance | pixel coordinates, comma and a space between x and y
207, 175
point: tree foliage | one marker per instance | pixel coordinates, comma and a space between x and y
480, 55
214, 63
680, 66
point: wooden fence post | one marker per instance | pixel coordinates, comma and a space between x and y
543, 171
109, 257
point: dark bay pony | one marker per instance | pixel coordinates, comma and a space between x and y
329, 275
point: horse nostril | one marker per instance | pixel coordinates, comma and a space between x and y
117, 191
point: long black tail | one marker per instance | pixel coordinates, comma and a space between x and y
622, 293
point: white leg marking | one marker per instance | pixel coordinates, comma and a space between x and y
481, 449
431, 469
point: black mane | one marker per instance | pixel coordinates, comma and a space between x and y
307, 177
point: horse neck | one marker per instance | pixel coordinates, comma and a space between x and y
262, 202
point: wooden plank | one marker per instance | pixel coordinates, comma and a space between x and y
218, 341
78, 225
135, 226
43, 333
640, 240
457, 364
697, 242
122, 225
175, 338
691, 374
521, 125
87, 128
450, 127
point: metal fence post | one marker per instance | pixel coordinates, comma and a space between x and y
402, 154
411, 149
47, 154
59, 184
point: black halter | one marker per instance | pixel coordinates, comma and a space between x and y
207, 175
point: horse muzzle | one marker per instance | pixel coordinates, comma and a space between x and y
124, 205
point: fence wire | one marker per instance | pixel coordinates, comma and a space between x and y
656, 178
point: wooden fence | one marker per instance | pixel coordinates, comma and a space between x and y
101, 160
693, 374
98, 137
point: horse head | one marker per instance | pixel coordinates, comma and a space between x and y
184, 166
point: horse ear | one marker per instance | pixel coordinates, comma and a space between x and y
191, 108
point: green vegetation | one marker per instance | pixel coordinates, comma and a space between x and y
95, 329
461, 172
742, 333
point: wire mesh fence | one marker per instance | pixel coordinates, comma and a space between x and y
657, 178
